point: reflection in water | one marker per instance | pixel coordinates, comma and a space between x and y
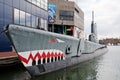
17, 72
83, 71
109, 66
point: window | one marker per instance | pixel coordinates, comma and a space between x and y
34, 1
36, 24
46, 25
30, 0
46, 4
22, 18
42, 23
66, 15
33, 21
39, 22
16, 16
28, 19
40, 3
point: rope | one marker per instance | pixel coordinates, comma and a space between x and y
3, 31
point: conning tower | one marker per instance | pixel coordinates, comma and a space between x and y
93, 35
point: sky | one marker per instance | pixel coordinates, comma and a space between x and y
107, 17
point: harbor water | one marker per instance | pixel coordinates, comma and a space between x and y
105, 67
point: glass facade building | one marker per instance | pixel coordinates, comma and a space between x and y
29, 13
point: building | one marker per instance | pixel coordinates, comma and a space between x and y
65, 17
76, 1
29, 13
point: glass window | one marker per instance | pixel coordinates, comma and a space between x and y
42, 4
30, 0
28, 19
33, 21
66, 15
16, 16
39, 22
46, 25
42, 23
38, 3
22, 18
34, 2
36, 25
46, 7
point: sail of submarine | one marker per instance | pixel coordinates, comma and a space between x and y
93, 35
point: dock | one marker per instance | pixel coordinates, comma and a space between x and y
8, 59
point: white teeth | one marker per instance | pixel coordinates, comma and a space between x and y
41, 56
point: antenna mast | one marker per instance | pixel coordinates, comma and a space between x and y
92, 16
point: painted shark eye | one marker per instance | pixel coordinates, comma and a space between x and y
34, 62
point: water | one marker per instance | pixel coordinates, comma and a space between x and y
105, 67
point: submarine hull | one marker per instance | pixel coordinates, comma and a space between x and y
42, 51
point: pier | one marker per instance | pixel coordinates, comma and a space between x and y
8, 59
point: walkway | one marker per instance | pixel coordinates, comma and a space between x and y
8, 58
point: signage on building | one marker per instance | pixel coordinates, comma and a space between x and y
51, 13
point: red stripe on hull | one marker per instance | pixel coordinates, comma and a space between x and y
37, 55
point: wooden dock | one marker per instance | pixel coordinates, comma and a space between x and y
8, 59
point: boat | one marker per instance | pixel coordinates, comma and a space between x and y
41, 51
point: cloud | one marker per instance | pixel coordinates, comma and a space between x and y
107, 16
